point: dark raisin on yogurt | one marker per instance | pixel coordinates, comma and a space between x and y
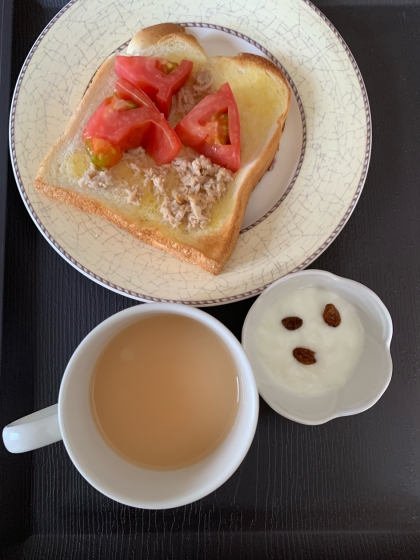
292, 323
331, 315
304, 356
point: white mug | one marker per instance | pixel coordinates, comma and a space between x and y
71, 420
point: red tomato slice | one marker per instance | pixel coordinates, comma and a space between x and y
159, 78
204, 129
102, 153
129, 128
125, 90
161, 143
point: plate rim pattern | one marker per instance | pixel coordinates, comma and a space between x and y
228, 299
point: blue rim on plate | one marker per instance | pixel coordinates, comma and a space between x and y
245, 294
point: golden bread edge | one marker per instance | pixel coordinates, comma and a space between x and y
151, 36
150, 235
219, 245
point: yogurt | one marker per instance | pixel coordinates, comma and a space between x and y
337, 349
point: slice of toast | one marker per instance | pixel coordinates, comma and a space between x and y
263, 99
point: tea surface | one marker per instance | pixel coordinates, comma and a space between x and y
164, 392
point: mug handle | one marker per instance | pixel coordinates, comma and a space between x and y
33, 431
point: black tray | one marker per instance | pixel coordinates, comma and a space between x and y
6, 11
347, 489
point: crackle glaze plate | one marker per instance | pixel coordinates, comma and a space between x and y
297, 209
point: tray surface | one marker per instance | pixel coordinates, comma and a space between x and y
347, 489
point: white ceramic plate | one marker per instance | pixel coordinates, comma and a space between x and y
295, 212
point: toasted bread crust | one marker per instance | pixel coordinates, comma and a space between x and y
152, 35
149, 235
215, 249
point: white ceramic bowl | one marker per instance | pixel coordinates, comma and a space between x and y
372, 375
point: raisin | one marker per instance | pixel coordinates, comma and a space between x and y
304, 356
292, 323
331, 315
